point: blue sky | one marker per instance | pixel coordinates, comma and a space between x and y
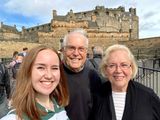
30, 13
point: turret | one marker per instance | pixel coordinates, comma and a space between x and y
1, 24
54, 13
132, 11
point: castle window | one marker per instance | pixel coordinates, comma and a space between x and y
96, 13
107, 13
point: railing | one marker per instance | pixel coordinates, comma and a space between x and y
150, 78
147, 76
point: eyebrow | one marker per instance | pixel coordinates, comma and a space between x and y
120, 62
36, 64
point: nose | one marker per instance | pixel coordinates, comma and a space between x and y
48, 74
76, 52
118, 68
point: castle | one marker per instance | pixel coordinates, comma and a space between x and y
101, 24
104, 27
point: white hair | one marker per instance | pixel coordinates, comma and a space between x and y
116, 47
79, 31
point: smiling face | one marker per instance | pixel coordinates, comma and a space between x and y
75, 51
119, 70
45, 72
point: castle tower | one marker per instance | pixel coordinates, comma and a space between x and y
54, 13
1, 24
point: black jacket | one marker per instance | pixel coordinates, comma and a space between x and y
141, 103
81, 87
4, 82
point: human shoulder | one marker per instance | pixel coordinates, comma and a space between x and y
9, 117
142, 88
90, 70
145, 92
59, 112
104, 90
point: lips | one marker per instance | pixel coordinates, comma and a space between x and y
119, 77
46, 84
75, 60
45, 87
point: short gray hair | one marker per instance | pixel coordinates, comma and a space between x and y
79, 31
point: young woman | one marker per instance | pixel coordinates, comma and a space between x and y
41, 92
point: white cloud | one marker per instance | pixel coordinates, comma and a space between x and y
147, 10
148, 13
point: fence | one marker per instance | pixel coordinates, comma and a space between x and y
150, 78
147, 76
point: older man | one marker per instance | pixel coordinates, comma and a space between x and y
82, 80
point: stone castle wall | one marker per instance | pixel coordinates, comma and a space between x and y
104, 27
144, 48
8, 47
9, 35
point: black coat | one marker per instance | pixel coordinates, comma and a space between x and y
81, 87
141, 103
4, 83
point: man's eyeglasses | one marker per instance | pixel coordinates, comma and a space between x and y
73, 48
123, 66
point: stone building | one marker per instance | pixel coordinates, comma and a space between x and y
104, 26
8, 32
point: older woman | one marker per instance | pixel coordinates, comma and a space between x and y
121, 98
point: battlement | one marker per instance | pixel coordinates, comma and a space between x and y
104, 27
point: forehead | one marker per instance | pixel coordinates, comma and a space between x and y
118, 56
76, 39
47, 56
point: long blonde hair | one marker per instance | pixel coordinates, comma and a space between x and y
23, 99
